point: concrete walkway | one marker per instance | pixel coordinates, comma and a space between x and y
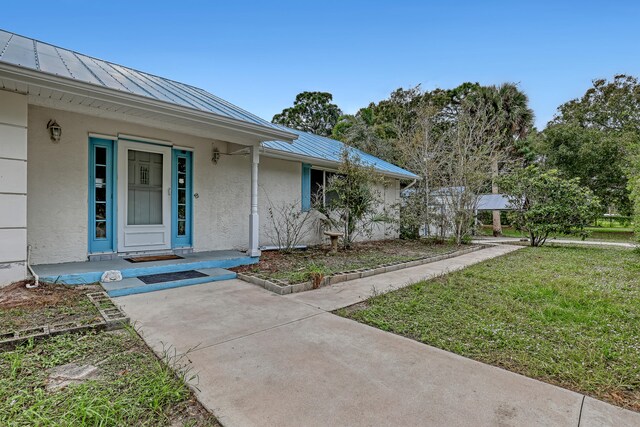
267, 360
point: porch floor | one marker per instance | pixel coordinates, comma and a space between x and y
77, 273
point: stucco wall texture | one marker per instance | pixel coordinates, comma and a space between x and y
57, 205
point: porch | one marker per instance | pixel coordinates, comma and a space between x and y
148, 276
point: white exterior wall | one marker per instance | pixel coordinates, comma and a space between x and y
281, 182
58, 187
58, 182
13, 187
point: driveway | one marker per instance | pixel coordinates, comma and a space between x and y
265, 360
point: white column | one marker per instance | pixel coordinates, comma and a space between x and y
13, 187
254, 220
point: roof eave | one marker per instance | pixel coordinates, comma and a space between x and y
279, 154
54, 82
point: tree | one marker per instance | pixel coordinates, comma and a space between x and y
353, 202
379, 129
512, 121
544, 203
422, 154
451, 153
362, 132
464, 164
595, 157
607, 105
599, 125
311, 112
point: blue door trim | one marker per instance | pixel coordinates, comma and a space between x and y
306, 187
106, 242
181, 237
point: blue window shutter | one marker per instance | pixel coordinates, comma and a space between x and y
306, 186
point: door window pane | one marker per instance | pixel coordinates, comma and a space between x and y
144, 199
101, 155
101, 174
101, 230
101, 211
182, 228
101, 194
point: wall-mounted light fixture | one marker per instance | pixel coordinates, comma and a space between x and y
55, 131
215, 155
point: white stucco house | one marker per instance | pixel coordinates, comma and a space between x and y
100, 161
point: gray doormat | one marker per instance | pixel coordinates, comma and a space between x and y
171, 277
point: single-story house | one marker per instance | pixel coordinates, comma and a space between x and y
100, 161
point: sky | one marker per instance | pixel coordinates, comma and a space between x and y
259, 55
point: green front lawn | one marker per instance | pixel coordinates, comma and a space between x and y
565, 315
132, 386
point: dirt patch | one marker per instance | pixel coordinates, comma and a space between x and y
18, 295
22, 308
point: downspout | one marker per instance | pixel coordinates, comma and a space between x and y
411, 185
35, 276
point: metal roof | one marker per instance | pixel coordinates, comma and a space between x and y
36, 55
45, 58
326, 149
497, 202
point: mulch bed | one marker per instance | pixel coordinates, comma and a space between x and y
281, 265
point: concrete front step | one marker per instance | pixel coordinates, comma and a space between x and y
133, 285
80, 273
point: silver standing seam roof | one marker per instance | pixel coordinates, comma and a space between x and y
494, 202
46, 58
318, 147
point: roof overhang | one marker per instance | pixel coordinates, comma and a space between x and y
42, 84
315, 161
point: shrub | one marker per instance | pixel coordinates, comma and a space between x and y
543, 203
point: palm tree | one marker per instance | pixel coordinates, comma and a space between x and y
511, 120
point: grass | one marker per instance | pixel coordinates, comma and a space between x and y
608, 234
565, 315
298, 266
134, 386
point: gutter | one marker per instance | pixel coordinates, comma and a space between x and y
46, 80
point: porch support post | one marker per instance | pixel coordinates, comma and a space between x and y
254, 220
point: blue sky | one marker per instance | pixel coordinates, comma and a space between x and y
259, 55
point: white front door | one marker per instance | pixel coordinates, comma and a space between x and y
144, 197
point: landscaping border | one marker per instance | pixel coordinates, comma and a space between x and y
282, 288
112, 318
